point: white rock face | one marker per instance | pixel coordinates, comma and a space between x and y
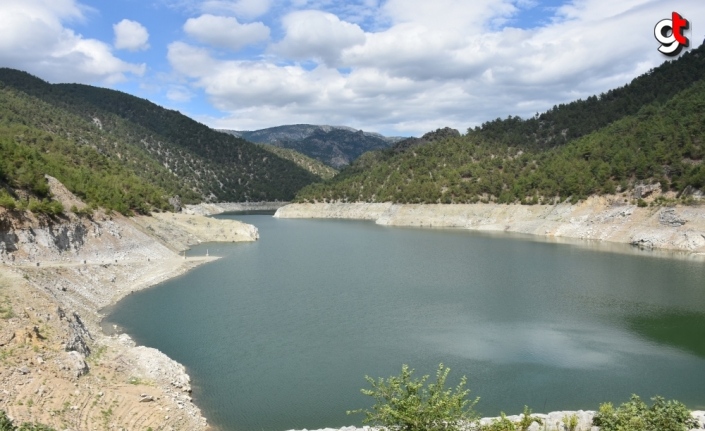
222, 207
597, 218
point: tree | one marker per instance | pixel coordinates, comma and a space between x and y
408, 404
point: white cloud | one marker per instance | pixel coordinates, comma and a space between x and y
435, 64
179, 94
449, 15
33, 38
237, 84
131, 35
320, 35
241, 8
225, 32
189, 60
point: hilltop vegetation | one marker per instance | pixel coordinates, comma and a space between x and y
651, 131
126, 153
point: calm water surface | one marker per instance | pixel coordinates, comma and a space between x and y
279, 334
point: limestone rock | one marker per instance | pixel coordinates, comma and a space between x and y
175, 202
125, 340
78, 334
644, 190
668, 217
75, 363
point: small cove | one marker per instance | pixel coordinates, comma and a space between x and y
278, 334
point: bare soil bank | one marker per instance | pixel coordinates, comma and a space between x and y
598, 218
56, 366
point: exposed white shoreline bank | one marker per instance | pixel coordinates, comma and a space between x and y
56, 275
227, 207
553, 422
670, 228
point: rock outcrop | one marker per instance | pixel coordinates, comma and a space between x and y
79, 337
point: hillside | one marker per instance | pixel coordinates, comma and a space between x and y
336, 146
566, 122
165, 150
33, 143
314, 166
660, 145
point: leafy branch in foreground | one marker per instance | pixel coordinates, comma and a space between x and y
635, 415
408, 404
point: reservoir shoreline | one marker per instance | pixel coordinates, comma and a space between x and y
116, 256
680, 228
55, 278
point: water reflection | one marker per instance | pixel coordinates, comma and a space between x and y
583, 345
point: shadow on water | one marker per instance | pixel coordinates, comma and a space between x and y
684, 331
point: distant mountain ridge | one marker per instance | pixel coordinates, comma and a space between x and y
297, 132
335, 146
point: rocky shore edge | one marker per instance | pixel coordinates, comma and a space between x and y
677, 228
57, 366
553, 421
230, 207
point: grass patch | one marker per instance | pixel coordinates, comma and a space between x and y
97, 354
138, 381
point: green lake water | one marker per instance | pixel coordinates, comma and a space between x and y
279, 334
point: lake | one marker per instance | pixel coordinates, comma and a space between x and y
280, 333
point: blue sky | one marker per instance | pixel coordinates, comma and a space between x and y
398, 67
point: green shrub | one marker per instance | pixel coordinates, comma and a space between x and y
407, 404
526, 420
6, 200
570, 423
45, 206
7, 425
635, 415
501, 424
5, 422
504, 424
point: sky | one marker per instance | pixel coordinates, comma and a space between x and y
396, 67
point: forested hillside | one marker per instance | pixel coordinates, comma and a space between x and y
163, 151
566, 122
651, 131
35, 139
